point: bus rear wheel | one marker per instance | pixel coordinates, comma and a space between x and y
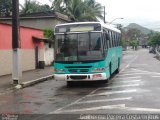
118, 69
110, 70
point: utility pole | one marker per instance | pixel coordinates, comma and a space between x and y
0, 7
104, 14
16, 70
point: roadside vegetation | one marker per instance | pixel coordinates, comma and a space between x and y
76, 10
5, 8
31, 6
49, 33
79, 10
154, 42
131, 38
154, 39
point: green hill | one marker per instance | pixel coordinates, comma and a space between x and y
144, 30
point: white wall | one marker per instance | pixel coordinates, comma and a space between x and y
49, 54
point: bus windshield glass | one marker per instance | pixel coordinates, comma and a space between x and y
79, 46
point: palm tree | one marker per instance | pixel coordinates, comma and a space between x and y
28, 7
5, 8
79, 10
31, 6
60, 5
75, 10
93, 10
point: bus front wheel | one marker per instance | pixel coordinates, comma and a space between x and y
69, 83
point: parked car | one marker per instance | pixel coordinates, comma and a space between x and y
152, 50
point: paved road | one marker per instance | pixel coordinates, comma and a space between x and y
134, 90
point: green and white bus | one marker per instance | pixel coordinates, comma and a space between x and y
86, 51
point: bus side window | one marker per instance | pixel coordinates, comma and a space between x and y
104, 41
112, 35
119, 39
110, 40
115, 43
107, 40
116, 40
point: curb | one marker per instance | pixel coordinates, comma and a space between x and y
33, 82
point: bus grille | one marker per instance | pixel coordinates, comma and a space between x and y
78, 66
78, 70
84, 70
78, 77
73, 70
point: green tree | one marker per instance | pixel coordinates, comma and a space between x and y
5, 8
49, 33
92, 10
79, 10
134, 44
31, 6
45, 7
124, 44
133, 34
154, 39
61, 5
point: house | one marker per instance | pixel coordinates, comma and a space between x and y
32, 48
39, 20
42, 20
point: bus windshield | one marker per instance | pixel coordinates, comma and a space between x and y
79, 46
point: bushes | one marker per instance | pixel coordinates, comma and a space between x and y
154, 39
134, 44
49, 33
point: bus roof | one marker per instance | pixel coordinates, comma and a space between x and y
110, 27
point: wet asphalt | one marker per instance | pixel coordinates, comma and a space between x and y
134, 90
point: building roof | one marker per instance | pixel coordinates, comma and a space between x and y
38, 39
37, 15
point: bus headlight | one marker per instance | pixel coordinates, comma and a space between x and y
98, 70
59, 70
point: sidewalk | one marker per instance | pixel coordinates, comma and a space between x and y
6, 82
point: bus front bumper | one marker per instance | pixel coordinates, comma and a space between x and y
81, 77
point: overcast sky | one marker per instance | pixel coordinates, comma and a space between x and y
143, 12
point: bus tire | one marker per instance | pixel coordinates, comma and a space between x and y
117, 70
110, 70
69, 84
106, 80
